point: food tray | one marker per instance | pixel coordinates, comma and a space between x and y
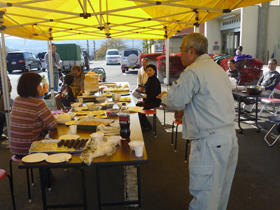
91, 127
116, 90
50, 146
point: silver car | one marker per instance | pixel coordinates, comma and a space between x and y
130, 59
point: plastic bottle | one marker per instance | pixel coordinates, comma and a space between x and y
124, 120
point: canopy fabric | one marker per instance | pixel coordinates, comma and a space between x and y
99, 19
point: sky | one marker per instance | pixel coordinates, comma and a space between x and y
36, 46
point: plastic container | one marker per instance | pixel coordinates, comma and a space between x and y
124, 119
91, 82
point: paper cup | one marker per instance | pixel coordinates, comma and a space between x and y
73, 129
72, 115
138, 147
80, 99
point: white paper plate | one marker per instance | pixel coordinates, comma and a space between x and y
100, 117
58, 158
70, 122
69, 137
99, 112
62, 121
34, 158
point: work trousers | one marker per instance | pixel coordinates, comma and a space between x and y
55, 80
212, 165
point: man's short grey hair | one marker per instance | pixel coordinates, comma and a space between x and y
198, 41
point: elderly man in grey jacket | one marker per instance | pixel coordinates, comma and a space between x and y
204, 92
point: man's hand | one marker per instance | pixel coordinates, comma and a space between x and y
57, 96
140, 89
160, 95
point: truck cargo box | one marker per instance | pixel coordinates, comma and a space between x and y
68, 51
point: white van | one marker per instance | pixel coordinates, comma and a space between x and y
113, 57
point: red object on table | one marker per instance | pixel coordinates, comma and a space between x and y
55, 112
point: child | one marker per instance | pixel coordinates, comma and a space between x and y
66, 91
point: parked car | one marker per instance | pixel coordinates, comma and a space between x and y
41, 56
24, 61
130, 59
113, 57
86, 56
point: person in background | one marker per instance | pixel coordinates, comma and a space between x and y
55, 64
239, 50
270, 78
150, 100
30, 117
142, 78
232, 72
79, 78
268, 81
204, 91
66, 91
2, 122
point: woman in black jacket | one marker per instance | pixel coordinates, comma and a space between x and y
152, 89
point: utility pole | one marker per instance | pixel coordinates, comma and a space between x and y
94, 53
87, 47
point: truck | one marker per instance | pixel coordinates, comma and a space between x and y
70, 54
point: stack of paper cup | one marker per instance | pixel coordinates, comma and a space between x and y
73, 129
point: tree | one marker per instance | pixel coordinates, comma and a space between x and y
147, 45
109, 44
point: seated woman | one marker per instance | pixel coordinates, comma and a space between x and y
152, 89
30, 116
66, 91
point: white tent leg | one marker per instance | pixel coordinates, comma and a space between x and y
4, 80
167, 60
50, 69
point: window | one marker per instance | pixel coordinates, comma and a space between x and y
113, 52
128, 52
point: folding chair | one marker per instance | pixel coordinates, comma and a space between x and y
271, 100
276, 120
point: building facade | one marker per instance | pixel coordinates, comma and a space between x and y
255, 28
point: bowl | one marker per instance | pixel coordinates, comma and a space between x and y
100, 99
254, 90
120, 104
78, 109
239, 87
109, 105
90, 103
75, 105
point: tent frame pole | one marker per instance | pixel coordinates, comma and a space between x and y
167, 60
4, 80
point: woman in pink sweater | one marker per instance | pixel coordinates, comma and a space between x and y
30, 116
